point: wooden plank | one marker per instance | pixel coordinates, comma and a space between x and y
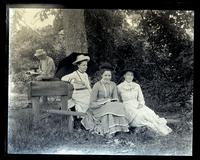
62, 112
51, 106
44, 116
50, 88
173, 120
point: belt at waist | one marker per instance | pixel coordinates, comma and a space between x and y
80, 89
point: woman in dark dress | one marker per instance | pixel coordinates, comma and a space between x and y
106, 115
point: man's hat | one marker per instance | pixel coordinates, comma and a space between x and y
39, 52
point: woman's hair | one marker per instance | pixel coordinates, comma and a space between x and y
129, 71
121, 79
101, 71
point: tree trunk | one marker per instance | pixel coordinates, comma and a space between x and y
75, 32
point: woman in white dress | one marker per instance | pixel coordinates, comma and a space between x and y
137, 112
80, 81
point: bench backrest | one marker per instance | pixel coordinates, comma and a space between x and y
50, 88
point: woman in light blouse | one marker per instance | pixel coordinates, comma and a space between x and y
106, 114
136, 111
80, 81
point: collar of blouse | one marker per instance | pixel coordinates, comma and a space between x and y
107, 89
105, 82
79, 72
128, 85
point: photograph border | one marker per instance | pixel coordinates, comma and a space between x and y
153, 5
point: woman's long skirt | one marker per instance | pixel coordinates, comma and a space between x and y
145, 117
106, 119
80, 99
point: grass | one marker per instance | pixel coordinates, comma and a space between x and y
51, 136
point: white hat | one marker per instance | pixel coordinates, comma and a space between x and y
81, 58
39, 52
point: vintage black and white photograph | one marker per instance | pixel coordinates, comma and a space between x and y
100, 81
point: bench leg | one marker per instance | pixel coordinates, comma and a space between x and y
69, 119
36, 109
70, 123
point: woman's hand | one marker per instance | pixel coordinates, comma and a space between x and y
140, 106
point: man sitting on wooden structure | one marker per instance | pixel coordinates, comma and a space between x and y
46, 70
47, 67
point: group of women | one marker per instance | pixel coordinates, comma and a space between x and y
111, 108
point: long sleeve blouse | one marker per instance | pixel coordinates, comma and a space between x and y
78, 80
130, 91
47, 67
101, 92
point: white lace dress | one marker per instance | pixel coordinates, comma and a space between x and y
81, 94
131, 95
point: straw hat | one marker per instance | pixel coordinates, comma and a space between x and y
39, 52
81, 58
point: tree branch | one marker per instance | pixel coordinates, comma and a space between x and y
153, 56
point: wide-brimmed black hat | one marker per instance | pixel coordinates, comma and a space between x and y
126, 69
106, 65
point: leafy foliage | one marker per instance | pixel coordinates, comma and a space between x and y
156, 44
24, 40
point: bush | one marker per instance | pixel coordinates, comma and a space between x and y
20, 81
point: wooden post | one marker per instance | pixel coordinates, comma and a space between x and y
29, 91
64, 101
69, 118
70, 123
36, 109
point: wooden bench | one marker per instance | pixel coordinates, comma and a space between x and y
38, 89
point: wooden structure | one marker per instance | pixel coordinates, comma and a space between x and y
39, 89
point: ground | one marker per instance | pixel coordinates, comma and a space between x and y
51, 136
